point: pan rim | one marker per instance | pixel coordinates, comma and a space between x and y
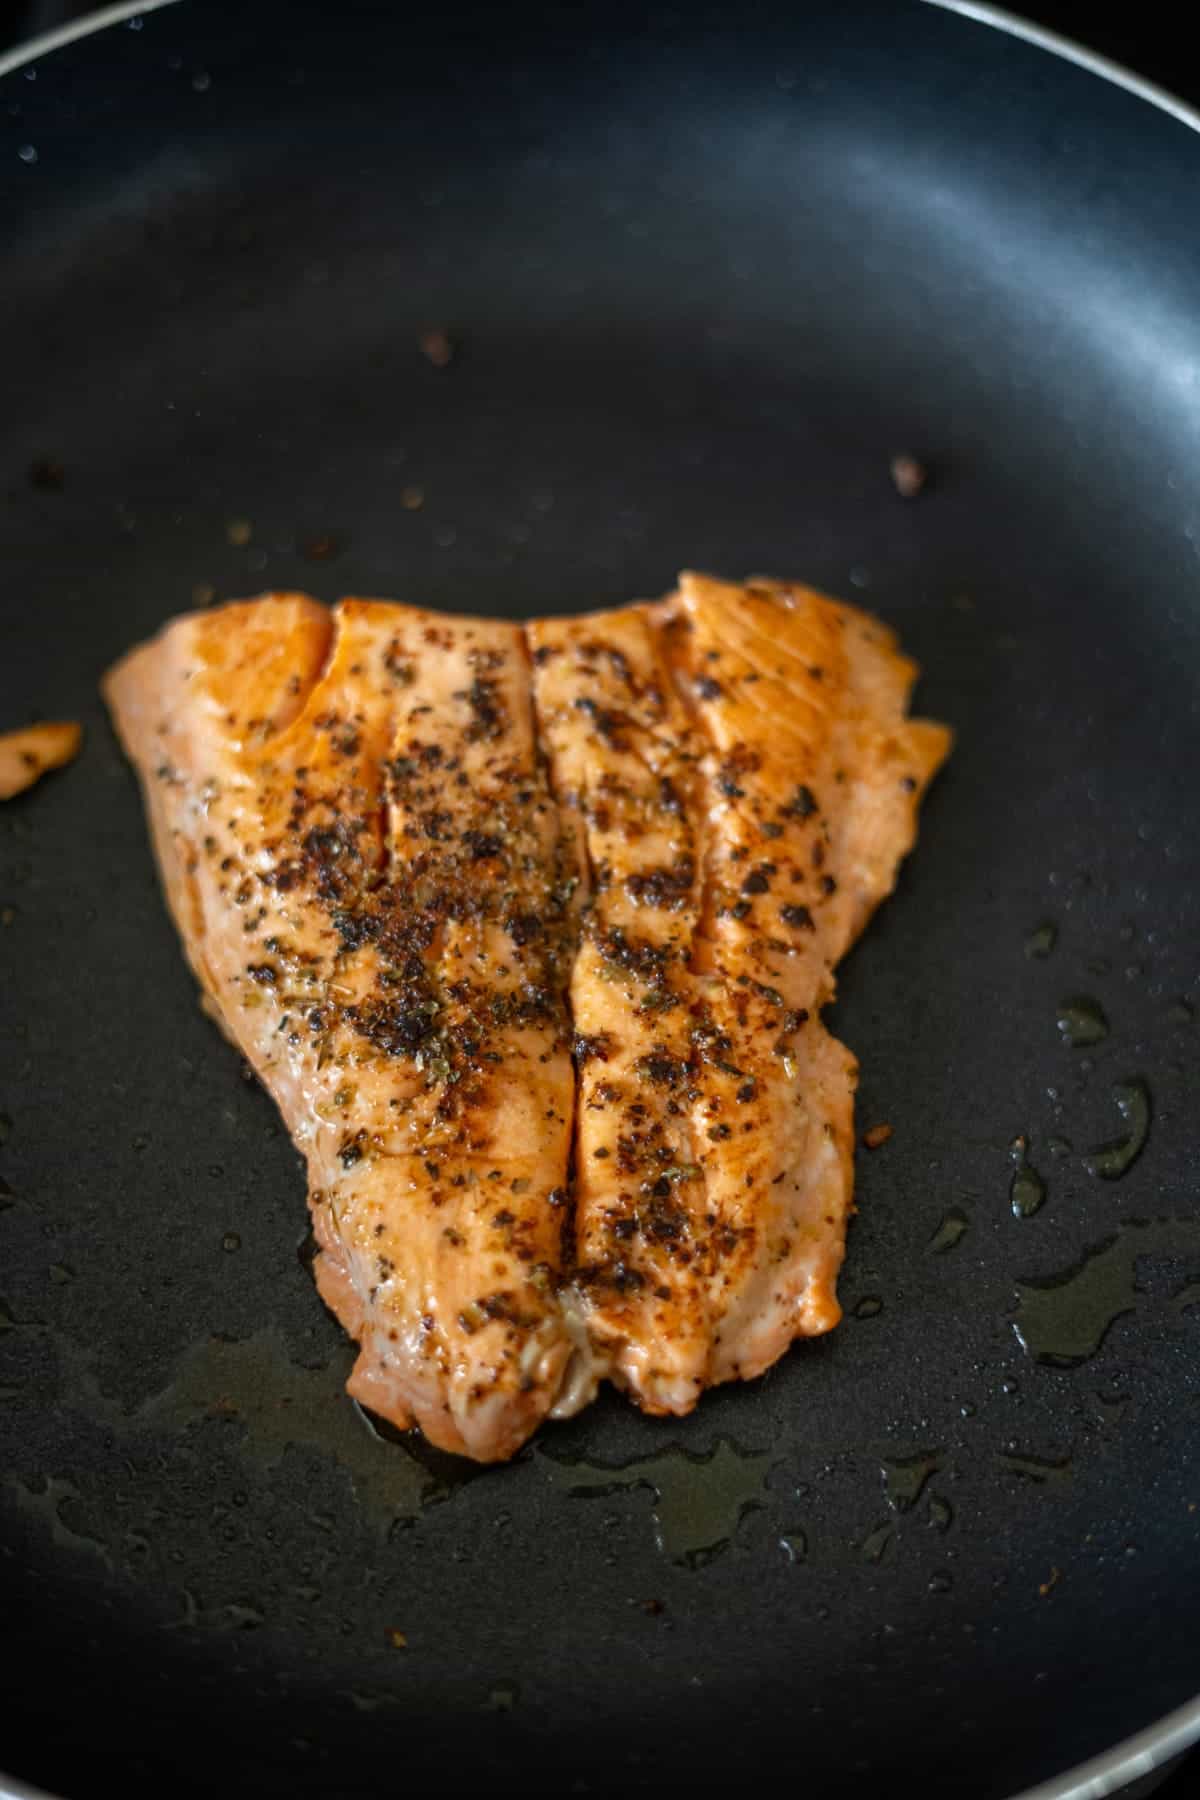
1169, 1736
35, 48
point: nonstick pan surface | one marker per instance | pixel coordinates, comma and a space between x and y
705, 273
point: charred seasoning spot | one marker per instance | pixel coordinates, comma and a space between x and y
351, 1151
802, 805
661, 1069
758, 881
668, 888
611, 725
488, 717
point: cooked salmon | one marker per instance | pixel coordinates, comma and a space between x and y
27, 754
370, 879
745, 783
419, 863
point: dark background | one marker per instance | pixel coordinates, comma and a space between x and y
1150, 38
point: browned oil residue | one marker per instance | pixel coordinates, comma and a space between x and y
272, 1402
1063, 1319
1044, 1470
904, 1477
1027, 1190
1110, 1161
952, 1230
699, 1497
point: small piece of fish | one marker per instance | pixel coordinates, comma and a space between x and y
26, 755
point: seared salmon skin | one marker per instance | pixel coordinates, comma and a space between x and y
527, 930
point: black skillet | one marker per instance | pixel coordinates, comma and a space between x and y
706, 270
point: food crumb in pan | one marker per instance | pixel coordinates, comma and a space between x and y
397, 1640
1055, 1577
322, 548
876, 1136
1041, 941
908, 476
437, 347
874, 1546
48, 474
953, 1228
412, 499
238, 532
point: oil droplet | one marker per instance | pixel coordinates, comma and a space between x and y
1010, 1385
61, 1273
699, 1498
1041, 942
874, 1546
951, 1231
141, 1142
363, 1702
1110, 1161
8, 1319
1064, 1319
503, 1697
1027, 1190
1040, 1469
47, 1506
794, 1545
940, 1582
968, 1409
1081, 1021
869, 1307
1181, 1012
904, 1477
274, 1402
231, 1241
941, 1513
1059, 1146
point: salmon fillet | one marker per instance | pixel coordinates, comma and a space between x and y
415, 860
745, 784
367, 871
